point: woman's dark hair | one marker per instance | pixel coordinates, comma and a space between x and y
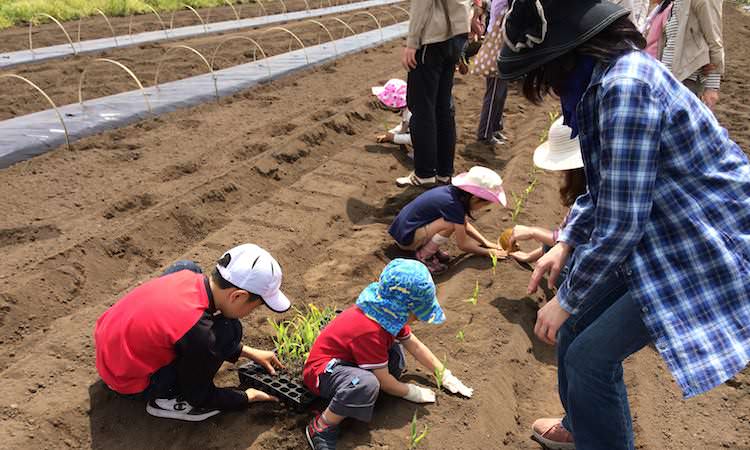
465, 198
617, 39
573, 186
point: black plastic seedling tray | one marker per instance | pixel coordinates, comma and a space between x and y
291, 392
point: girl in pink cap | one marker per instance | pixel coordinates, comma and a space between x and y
429, 221
392, 95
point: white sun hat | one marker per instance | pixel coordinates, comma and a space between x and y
559, 152
254, 270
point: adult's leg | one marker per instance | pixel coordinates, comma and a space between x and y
445, 116
597, 400
490, 120
421, 97
603, 299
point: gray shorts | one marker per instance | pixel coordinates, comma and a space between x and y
353, 391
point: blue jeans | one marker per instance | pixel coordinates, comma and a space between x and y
591, 347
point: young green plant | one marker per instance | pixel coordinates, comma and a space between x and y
439, 372
414, 438
475, 295
294, 337
460, 335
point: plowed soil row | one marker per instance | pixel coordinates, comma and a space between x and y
60, 78
292, 166
17, 38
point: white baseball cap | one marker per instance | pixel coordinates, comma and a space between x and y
254, 270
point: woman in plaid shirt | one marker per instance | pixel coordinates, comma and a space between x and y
661, 238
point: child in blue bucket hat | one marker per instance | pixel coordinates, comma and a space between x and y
360, 353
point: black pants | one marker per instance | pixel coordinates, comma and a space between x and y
429, 95
491, 119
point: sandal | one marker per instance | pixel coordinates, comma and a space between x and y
433, 265
442, 256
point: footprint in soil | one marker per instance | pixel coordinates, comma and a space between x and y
322, 115
283, 129
178, 171
250, 150
342, 100
22, 235
134, 204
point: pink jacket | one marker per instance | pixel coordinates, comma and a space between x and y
654, 31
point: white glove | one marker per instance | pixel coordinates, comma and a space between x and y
455, 386
418, 394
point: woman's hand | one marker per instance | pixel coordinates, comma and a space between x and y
549, 319
552, 262
265, 358
710, 97
409, 58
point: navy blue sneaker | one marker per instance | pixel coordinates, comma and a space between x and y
321, 439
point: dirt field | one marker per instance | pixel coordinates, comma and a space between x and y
292, 166
60, 78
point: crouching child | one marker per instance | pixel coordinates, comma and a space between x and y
164, 341
360, 353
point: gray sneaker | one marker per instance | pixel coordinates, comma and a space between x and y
176, 408
321, 439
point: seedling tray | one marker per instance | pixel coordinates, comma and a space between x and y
291, 392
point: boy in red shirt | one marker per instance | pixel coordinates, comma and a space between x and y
165, 340
360, 352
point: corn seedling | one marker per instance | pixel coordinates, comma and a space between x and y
460, 335
294, 337
552, 116
474, 296
439, 373
493, 258
414, 438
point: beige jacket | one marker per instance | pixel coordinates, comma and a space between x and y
428, 24
699, 39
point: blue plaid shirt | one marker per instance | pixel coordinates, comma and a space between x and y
668, 206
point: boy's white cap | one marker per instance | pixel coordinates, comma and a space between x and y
254, 270
560, 151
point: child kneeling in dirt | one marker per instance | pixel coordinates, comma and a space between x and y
164, 341
392, 96
428, 222
360, 352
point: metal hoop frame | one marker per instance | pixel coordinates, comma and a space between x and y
237, 38
31, 25
44, 94
121, 66
200, 55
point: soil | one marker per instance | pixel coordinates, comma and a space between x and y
94, 27
292, 166
60, 78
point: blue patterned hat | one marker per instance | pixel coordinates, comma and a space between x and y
405, 286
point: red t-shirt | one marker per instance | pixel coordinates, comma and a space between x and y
350, 337
137, 335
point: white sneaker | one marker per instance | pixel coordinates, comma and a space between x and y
175, 408
413, 180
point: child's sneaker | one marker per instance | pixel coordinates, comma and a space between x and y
552, 434
321, 438
176, 408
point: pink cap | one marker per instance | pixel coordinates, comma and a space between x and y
483, 182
